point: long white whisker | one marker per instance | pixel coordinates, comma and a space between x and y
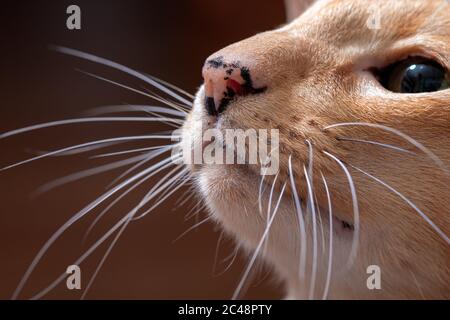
134, 108
145, 94
195, 209
49, 154
117, 66
165, 178
174, 186
154, 192
52, 153
310, 162
409, 202
258, 248
355, 243
175, 182
152, 110
111, 231
162, 165
150, 156
269, 208
105, 256
301, 221
312, 209
314, 222
116, 238
86, 120
184, 199
216, 254
232, 259
319, 216
330, 245
87, 173
231, 256
123, 222
260, 191
198, 224
163, 187
70, 222
171, 86
77, 151
118, 153
411, 140
384, 145
145, 200
167, 102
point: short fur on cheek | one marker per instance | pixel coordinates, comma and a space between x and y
317, 74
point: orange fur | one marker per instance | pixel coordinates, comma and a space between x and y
316, 68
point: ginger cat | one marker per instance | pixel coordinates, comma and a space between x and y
356, 97
359, 93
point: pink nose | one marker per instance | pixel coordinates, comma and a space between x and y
224, 81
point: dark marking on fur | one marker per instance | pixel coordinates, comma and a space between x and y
347, 225
210, 106
281, 128
294, 134
224, 104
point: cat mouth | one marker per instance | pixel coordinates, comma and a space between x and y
239, 176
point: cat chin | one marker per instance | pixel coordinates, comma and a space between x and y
231, 194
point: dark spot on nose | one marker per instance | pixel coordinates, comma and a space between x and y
215, 63
224, 81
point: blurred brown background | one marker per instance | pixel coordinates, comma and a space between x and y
168, 39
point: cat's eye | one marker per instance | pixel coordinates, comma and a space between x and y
414, 75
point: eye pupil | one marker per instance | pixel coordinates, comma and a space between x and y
422, 78
414, 75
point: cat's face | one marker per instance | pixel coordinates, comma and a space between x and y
335, 64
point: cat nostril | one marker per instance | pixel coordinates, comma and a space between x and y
235, 87
220, 88
219, 94
223, 82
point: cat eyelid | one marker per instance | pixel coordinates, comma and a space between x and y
402, 54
